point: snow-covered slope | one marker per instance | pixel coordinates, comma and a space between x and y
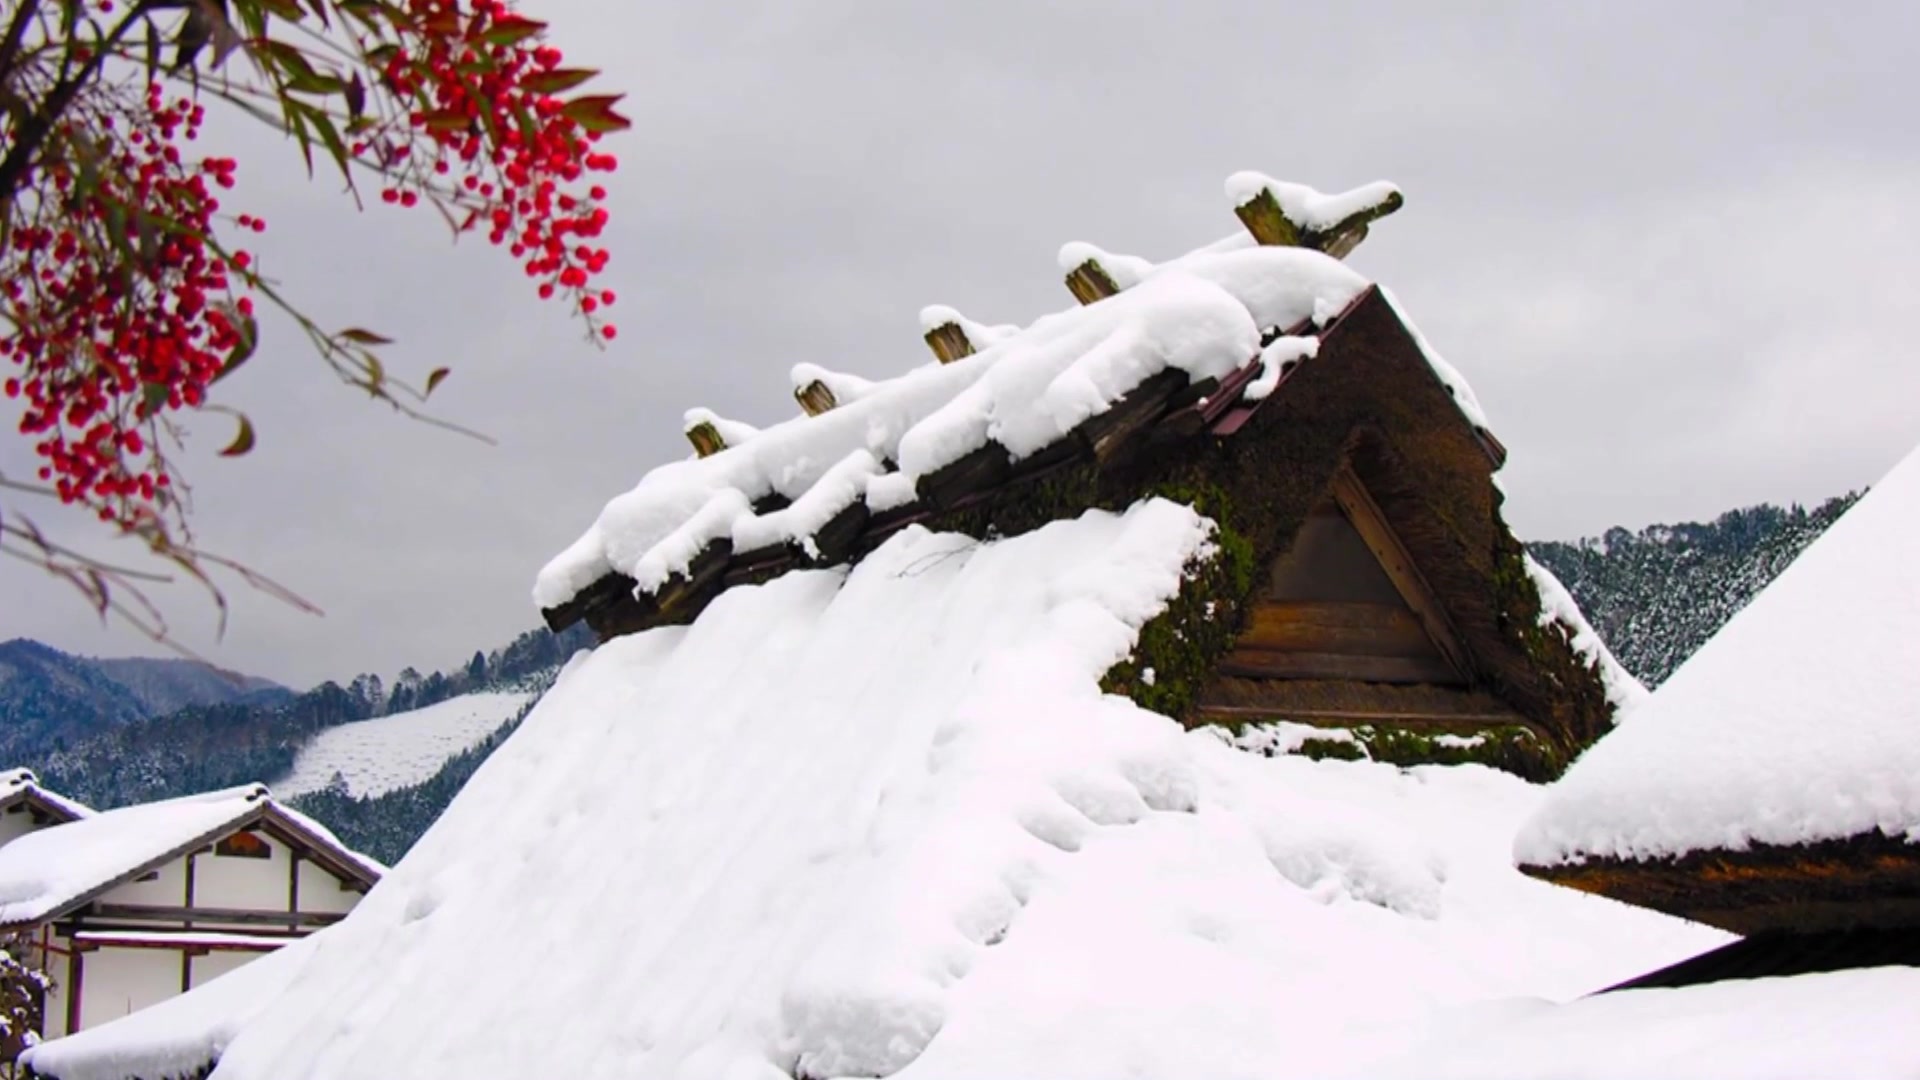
854, 822
1796, 722
389, 752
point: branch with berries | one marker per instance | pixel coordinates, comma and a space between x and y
125, 291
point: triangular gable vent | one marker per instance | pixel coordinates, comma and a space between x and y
1345, 602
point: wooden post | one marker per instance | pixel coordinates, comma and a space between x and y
706, 439
949, 342
815, 398
1089, 282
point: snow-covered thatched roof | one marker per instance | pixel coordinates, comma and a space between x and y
878, 820
1797, 725
21, 786
47, 873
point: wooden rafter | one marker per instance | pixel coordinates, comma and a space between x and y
1372, 525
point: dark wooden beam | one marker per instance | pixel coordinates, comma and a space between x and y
243, 916
1328, 626
1372, 525
1866, 880
1293, 664
1104, 434
1464, 723
978, 471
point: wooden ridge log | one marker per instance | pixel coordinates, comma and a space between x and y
979, 471
1269, 224
678, 599
706, 438
1104, 435
1090, 282
610, 590
949, 342
815, 398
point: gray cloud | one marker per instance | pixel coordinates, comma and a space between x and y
1669, 244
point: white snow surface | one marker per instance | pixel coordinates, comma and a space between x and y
879, 820
391, 752
1203, 313
1795, 723
178, 1036
13, 780
1854, 1024
43, 871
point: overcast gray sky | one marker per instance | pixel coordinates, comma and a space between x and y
1671, 245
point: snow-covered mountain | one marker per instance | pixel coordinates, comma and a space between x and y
373, 757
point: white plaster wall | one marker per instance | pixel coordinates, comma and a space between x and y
215, 964
53, 1021
320, 891
231, 881
14, 824
119, 981
170, 888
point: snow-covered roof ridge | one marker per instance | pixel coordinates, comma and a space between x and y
1001, 403
55, 870
1795, 724
23, 784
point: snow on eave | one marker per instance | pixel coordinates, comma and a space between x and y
48, 873
1794, 724
21, 785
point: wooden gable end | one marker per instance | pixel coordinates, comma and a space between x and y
1346, 601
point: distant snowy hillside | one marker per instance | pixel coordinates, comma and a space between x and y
377, 756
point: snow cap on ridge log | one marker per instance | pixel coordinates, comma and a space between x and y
1285, 214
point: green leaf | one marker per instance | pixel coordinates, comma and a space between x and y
435, 378
242, 440
153, 395
595, 113
556, 81
508, 29
363, 337
249, 338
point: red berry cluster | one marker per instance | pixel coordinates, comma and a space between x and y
510, 151
121, 307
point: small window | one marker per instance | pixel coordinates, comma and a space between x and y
243, 845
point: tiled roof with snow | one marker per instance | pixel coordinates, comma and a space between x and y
14, 782
47, 872
41, 873
1012, 391
1798, 722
